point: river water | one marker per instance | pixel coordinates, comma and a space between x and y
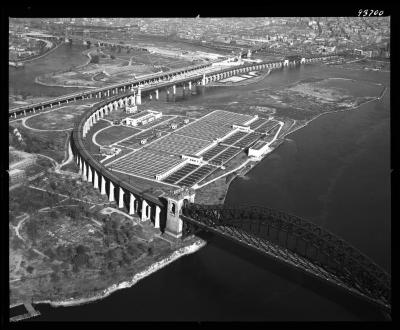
335, 172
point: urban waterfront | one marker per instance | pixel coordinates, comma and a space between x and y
335, 171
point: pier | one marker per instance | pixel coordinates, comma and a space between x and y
31, 312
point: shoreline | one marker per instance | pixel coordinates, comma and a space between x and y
185, 250
242, 171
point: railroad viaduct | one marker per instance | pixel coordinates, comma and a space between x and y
286, 238
185, 77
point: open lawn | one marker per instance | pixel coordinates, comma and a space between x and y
114, 134
62, 118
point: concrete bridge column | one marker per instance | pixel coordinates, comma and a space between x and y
81, 166
203, 80
190, 85
132, 100
90, 179
24, 112
95, 180
132, 204
151, 97
157, 217
121, 198
103, 186
84, 178
144, 210
174, 89
139, 97
111, 195
108, 93
157, 94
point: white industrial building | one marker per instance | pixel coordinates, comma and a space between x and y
259, 149
142, 118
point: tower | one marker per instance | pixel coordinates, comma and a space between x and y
176, 200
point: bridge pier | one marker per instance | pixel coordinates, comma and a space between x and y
95, 180
190, 85
89, 173
139, 97
84, 178
103, 186
111, 194
144, 216
157, 94
121, 198
174, 89
176, 201
131, 204
157, 217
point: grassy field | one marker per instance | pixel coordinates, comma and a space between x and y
62, 118
115, 133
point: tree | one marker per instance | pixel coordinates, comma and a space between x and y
31, 230
30, 269
95, 59
54, 277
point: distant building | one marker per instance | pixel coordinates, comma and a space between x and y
258, 149
196, 160
131, 109
142, 118
109, 151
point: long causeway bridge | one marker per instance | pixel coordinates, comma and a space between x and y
200, 74
287, 238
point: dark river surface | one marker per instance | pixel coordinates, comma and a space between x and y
334, 172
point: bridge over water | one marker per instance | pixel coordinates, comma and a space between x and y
296, 242
284, 237
200, 74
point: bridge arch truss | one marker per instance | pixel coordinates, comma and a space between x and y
296, 241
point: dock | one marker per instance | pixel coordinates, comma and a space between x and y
31, 312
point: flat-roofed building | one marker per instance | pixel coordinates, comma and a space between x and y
258, 149
193, 159
142, 118
131, 109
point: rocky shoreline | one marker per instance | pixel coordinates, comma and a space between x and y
198, 244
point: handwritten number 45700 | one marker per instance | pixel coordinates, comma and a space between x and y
369, 12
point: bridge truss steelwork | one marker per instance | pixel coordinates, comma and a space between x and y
297, 242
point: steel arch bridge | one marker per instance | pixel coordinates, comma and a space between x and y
297, 242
